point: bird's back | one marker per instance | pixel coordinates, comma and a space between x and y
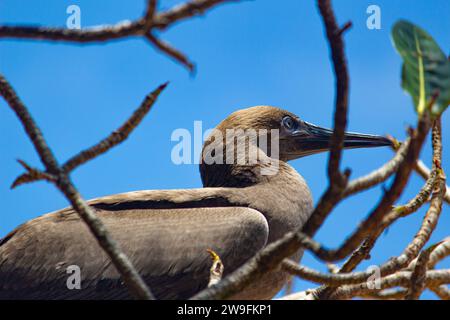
167, 246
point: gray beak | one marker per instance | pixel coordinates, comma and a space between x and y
313, 139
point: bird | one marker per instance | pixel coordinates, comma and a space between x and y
246, 203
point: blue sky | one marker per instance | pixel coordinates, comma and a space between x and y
249, 53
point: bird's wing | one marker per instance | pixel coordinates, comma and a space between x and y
166, 235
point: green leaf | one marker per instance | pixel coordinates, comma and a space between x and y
426, 69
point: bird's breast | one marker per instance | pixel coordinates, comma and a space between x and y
285, 201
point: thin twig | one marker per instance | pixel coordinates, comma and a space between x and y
116, 137
184, 11
171, 51
424, 172
149, 15
32, 175
86, 35
334, 36
379, 175
141, 27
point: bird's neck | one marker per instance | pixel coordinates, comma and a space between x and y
284, 199
240, 169
237, 176
275, 189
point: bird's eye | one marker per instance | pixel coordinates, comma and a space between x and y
288, 123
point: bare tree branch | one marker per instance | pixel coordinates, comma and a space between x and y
387, 294
32, 175
424, 172
170, 51
402, 278
440, 252
338, 180
418, 275
324, 278
350, 277
128, 273
274, 253
443, 292
184, 11
93, 34
140, 28
334, 36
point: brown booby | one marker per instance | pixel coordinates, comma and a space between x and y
246, 203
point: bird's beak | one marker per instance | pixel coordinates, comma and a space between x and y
311, 139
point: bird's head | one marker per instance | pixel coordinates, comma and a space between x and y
255, 135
